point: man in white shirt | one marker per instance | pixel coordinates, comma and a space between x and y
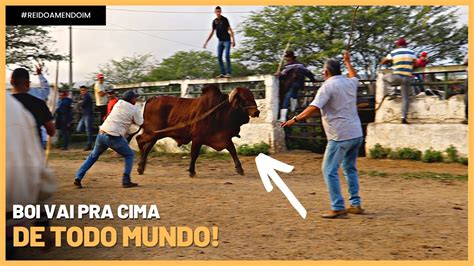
112, 135
336, 100
100, 94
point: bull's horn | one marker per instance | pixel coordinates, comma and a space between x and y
232, 94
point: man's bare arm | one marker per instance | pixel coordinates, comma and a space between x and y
232, 39
208, 38
385, 61
50, 129
347, 63
309, 111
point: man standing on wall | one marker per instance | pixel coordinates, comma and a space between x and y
226, 38
336, 100
403, 59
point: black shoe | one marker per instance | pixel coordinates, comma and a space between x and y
64, 148
77, 183
404, 121
129, 184
465, 122
88, 148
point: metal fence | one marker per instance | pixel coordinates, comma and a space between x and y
309, 134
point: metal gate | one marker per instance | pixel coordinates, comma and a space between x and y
309, 134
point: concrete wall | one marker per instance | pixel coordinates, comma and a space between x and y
434, 123
265, 128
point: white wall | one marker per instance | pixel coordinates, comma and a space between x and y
434, 123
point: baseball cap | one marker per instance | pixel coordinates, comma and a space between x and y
401, 42
129, 95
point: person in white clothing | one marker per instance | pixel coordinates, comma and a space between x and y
112, 135
100, 88
28, 181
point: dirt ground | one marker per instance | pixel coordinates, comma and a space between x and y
415, 211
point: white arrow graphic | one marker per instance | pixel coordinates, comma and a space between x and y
266, 166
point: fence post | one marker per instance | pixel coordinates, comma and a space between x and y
272, 88
184, 88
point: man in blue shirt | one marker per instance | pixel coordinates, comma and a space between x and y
63, 117
87, 119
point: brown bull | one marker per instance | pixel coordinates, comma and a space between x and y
211, 119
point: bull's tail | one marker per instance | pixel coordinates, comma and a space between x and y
130, 137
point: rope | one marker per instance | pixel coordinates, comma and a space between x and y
354, 14
155, 36
195, 120
283, 55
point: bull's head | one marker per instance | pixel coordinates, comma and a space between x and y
243, 98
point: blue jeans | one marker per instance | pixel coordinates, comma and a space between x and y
420, 82
102, 143
224, 45
63, 133
292, 93
345, 151
86, 123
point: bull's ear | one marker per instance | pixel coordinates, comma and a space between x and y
233, 94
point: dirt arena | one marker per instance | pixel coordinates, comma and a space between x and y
415, 211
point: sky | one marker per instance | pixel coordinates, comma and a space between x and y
167, 29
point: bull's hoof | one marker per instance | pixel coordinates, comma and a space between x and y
240, 170
192, 173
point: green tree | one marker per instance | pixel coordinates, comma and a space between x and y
192, 65
320, 32
128, 69
27, 44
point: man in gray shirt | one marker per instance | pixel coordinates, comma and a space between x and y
336, 100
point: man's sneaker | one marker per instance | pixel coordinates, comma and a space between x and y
221, 76
335, 214
88, 148
227, 76
129, 184
404, 121
355, 209
77, 183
